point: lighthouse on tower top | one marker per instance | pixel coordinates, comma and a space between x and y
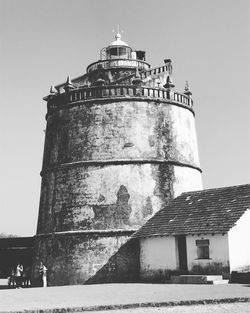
119, 49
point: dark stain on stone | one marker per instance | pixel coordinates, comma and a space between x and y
123, 209
164, 176
147, 209
128, 145
113, 215
69, 219
151, 140
101, 198
104, 216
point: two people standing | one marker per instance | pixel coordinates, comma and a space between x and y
20, 277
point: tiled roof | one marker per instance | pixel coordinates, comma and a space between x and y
199, 212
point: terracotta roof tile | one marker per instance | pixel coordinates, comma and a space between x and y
206, 211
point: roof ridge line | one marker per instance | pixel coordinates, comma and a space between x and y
215, 188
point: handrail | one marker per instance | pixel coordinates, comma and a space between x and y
108, 63
117, 91
145, 73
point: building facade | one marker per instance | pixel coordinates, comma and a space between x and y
199, 232
120, 143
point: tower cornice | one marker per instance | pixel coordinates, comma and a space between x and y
117, 162
117, 93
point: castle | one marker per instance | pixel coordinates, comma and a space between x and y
120, 144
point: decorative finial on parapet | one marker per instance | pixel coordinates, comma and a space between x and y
137, 80
68, 85
68, 82
168, 84
187, 90
137, 75
52, 93
53, 90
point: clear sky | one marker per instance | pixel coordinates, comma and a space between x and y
44, 41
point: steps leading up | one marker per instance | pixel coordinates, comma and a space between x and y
199, 279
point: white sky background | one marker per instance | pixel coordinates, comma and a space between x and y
41, 42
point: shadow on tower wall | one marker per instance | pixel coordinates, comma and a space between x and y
122, 267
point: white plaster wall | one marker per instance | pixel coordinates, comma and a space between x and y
239, 248
157, 253
218, 250
186, 179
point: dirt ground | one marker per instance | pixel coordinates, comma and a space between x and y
117, 295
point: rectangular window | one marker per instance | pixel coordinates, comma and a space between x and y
202, 249
113, 52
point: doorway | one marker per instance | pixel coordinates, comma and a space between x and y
182, 253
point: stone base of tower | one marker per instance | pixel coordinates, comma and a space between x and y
86, 257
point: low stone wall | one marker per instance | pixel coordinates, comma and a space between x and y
240, 277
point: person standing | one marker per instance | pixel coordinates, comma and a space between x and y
43, 274
26, 276
12, 279
19, 273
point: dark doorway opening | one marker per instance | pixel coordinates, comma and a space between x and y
182, 252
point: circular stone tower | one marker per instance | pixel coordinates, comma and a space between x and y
120, 143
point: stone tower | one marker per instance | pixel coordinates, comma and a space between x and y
120, 143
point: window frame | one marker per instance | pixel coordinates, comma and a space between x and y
203, 251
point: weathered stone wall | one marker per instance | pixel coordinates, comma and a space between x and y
185, 179
122, 267
109, 197
73, 258
109, 165
112, 165
109, 75
103, 197
111, 130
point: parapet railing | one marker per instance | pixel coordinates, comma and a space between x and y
154, 71
117, 91
116, 63
145, 73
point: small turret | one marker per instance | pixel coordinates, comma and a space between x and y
68, 85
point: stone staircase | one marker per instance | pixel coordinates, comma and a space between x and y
199, 279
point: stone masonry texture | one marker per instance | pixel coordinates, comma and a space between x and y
114, 155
